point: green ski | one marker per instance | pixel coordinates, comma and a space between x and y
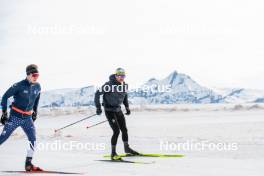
126, 161
149, 155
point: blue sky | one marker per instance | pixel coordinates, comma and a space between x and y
79, 43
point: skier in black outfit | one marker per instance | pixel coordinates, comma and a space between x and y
114, 94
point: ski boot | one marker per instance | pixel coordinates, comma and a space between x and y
114, 155
29, 167
130, 151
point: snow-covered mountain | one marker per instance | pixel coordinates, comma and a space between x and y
175, 88
181, 89
68, 97
240, 95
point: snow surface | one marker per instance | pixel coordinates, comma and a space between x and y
146, 130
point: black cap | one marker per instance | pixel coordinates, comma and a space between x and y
32, 68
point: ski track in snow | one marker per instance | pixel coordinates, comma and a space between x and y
146, 130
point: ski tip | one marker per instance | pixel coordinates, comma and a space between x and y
126, 161
42, 172
150, 155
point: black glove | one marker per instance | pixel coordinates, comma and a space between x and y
98, 111
127, 111
4, 117
34, 116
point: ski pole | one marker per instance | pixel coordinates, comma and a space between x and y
97, 124
74, 123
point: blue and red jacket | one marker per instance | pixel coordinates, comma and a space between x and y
26, 98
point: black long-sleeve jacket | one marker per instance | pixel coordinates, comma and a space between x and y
114, 95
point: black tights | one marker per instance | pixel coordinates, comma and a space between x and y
117, 122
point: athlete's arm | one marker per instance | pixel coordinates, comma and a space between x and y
98, 93
35, 107
126, 101
9, 93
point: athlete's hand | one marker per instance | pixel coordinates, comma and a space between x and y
4, 117
128, 112
34, 116
98, 111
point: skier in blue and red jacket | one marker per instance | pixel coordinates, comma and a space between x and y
23, 113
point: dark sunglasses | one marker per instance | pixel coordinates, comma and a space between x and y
35, 75
121, 76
